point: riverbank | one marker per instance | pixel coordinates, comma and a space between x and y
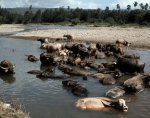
6, 111
139, 37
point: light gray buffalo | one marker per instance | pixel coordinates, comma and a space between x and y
136, 84
99, 103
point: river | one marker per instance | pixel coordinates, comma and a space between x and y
48, 98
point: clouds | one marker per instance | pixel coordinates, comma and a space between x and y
86, 4
49, 3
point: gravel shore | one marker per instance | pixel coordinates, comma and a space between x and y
139, 37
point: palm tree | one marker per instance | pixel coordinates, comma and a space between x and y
68, 8
128, 7
146, 6
118, 6
135, 4
107, 8
141, 5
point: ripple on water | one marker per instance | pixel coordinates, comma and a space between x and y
44, 97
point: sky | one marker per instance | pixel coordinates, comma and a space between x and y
85, 4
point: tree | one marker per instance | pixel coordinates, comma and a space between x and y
107, 8
30, 8
68, 8
141, 5
37, 17
135, 4
118, 6
128, 7
146, 6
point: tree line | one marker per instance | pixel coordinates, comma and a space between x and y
79, 16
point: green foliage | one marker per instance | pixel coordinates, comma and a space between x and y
110, 20
146, 17
37, 17
75, 21
135, 16
77, 16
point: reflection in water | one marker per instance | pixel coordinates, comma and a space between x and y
8, 78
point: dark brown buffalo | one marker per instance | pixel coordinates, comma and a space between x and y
7, 67
130, 65
116, 48
64, 67
132, 56
77, 89
46, 58
80, 90
100, 47
69, 83
48, 70
32, 58
69, 37
77, 72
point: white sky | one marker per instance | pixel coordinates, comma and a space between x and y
85, 4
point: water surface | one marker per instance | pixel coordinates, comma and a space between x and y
48, 98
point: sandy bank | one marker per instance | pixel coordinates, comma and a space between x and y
6, 28
139, 37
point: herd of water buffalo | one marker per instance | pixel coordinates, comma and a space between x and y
77, 59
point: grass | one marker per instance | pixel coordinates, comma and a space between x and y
13, 110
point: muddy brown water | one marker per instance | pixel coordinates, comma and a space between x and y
48, 98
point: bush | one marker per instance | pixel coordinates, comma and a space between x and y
110, 20
145, 23
120, 22
75, 21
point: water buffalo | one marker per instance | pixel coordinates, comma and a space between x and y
7, 67
47, 58
92, 49
77, 72
74, 61
69, 37
91, 64
100, 47
32, 58
84, 52
70, 83
136, 84
43, 40
105, 79
130, 65
115, 92
132, 56
52, 47
64, 67
116, 48
63, 52
48, 70
99, 103
52, 75
100, 55
124, 42
80, 90
77, 89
